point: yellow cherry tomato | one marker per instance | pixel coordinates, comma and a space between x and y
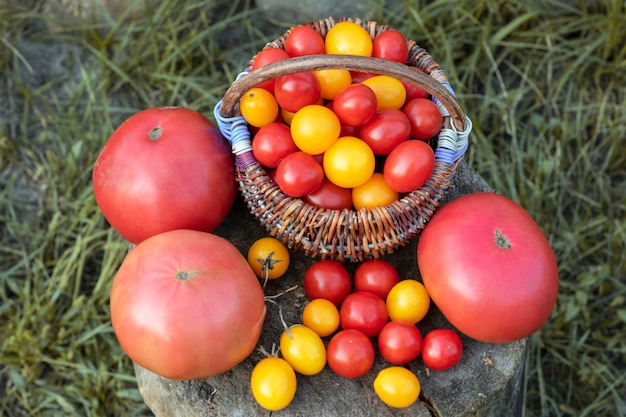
374, 193
348, 38
273, 383
258, 107
268, 257
321, 316
332, 81
397, 387
349, 162
303, 349
390, 92
408, 300
314, 128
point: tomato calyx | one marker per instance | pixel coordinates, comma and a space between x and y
502, 241
267, 263
155, 133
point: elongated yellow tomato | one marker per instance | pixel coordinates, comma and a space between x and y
303, 349
408, 300
397, 387
273, 383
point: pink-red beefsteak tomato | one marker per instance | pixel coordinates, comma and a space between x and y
162, 169
488, 267
186, 305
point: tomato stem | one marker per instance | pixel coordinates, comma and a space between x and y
183, 275
502, 241
155, 133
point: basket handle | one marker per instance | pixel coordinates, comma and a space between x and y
230, 100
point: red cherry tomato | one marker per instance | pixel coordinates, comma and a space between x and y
304, 40
376, 276
330, 196
363, 311
299, 174
350, 353
327, 279
294, 91
442, 349
391, 45
355, 105
386, 130
413, 91
399, 342
267, 56
409, 165
425, 118
272, 143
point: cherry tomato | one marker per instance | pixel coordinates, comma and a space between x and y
363, 311
327, 279
385, 130
442, 349
315, 128
273, 383
355, 105
350, 353
391, 45
332, 81
268, 257
397, 387
286, 116
376, 276
408, 300
299, 174
303, 349
425, 118
271, 143
375, 192
267, 56
330, 196
304, 40
349, 162
390, 92
258, 107
321, 316
348, 38
399, 342
413, 91
294, 91
409, 165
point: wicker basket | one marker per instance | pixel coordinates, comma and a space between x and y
345, 234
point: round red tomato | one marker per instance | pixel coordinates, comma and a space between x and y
376, 276
350, 353
294, 91
355, 105
413, 91
272, 143
409, 165
327, 279
304, 40
399, 342
442, 349
391, 45
488, 267
330, 196
363, 311
268, 56
386, 130
425, 118
299, 174
186, 305
164, 168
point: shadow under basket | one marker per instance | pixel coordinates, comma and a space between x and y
354, 235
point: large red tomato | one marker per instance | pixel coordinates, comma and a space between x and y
488, 267
186, 305
162, 169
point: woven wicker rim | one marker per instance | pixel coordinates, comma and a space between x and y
345, 234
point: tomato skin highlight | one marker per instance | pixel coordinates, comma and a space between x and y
490, 290
168, 310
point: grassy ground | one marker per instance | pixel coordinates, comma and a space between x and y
543, 82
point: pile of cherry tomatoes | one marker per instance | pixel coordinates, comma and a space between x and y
336, 138
346, 321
